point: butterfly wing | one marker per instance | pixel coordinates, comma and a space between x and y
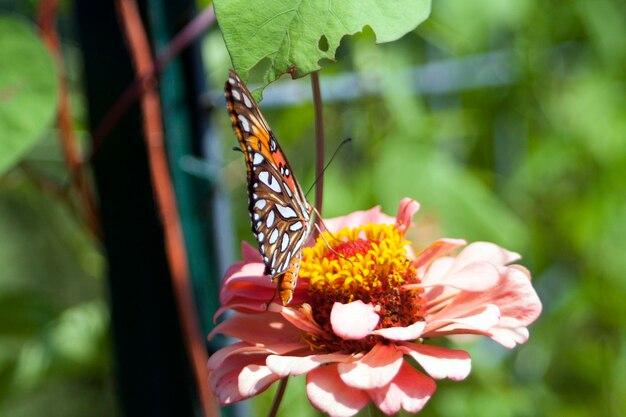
280, 214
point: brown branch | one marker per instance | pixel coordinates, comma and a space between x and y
175, 247
46, 18
182, 40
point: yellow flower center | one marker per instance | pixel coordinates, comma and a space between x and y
368, 263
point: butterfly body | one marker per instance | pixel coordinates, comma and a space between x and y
281, 216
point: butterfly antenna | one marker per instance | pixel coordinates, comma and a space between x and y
328, 244
319, 217
343, 142
238, 149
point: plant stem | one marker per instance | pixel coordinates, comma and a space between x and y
278, 397
319, 141
373, 411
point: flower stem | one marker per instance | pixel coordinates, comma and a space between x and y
373, 411
319, 141
278, 397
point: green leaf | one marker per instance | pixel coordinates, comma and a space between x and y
294, 35
27, 90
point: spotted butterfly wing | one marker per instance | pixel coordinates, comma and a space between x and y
281, 216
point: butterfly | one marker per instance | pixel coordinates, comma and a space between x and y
281, 216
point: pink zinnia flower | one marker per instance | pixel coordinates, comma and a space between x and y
362, 308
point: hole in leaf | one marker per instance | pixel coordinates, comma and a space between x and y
323, 43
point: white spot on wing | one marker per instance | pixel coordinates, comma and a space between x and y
260, 204
269, 180
269, 221
286, 212
244, 122
273, 238
284, 242
261, 237
247, 101
295, 227
236, 94
258, 158
231, 81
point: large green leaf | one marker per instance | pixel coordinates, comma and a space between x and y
294, 35
27, 90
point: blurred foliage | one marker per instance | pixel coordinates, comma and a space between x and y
536, 165
55, 357
27, 82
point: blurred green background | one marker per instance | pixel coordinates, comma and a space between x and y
515, 134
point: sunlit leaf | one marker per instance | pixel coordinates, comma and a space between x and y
293, 36
27, 90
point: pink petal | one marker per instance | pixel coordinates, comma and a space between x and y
296, 365
329, 394
376, 369
226, 388
250, 253
408, 207
485, 251
411, 332
225, 367
455, 321
509, 332
437, 269
301, 319
254, 379
410, 390
358, 218
246, 281
440, 362
354, 320
477, 276
263, 328
516, 296
438, 248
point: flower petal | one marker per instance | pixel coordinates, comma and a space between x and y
477, 276
437, 248
509, 332
298, 365
301, 318
440, 362
329, 394
249, 253
376, 369
225, 366
411, 332
455, 321
409, 390
246, 327
486, 251
354, 320
513, 296
358, 218
254, 379
408, 207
